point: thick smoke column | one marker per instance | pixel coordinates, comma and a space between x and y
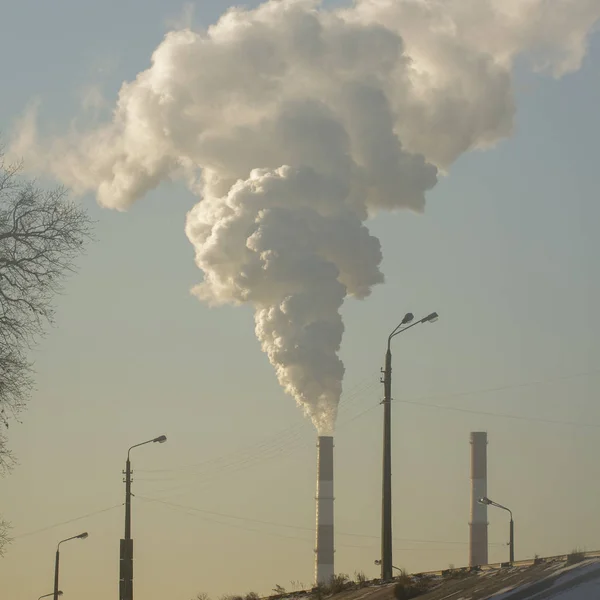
294, 124
284, 240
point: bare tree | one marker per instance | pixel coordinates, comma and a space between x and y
4, 537
41, 235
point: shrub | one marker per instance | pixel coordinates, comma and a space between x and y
405, 590
456, 573
297, 586
536, 561
575, 557
361, 578
338, 583
403, 577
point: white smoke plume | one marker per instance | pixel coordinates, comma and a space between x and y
293, 124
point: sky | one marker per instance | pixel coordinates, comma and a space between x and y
505, 252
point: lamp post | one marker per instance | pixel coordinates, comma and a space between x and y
48, 595
126, 549
81, 536
511, 543
386, 509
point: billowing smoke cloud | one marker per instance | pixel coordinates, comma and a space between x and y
286, 241
293, 124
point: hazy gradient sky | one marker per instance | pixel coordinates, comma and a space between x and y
506, 252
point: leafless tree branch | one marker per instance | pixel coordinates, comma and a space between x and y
5, 538
42, 233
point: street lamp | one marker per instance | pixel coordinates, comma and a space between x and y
511, 543
48, 595
81, 536
386, 509
126, 549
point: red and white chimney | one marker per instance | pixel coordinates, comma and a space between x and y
324, 569
478, 541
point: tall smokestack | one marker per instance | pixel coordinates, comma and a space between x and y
478, 542
324, 569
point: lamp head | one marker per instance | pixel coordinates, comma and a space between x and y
485, 501
82, 536
408, 317
161, 439
432, 318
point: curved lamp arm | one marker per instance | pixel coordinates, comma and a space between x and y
81, 536
407, 319
161, 439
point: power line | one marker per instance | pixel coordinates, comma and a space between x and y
288, 441
512, 386
262, 532
191, 512
282, 448
270, 444
272, 447
92, 514
206, 479
499, 415
219, 514
287, 526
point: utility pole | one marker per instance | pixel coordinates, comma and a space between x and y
126, 562
386, 501
56, 561
128, 499
511, 543
126, 547
386, 508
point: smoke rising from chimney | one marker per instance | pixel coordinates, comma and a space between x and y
294, 124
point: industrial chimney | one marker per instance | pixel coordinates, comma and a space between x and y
478, 542
324, 569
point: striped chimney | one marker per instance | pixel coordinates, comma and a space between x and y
324, 569
478, 542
